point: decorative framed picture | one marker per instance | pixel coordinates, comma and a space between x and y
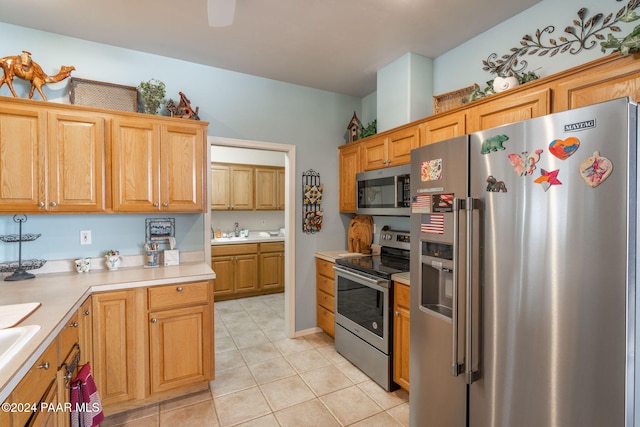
160, 229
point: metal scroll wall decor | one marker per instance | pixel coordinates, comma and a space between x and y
311, 202
583, 34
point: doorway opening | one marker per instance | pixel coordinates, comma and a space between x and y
289, 215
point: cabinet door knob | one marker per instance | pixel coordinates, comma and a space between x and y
165, 204
155, 205
154, 320
54, 204
179, 289
86, 312
73, 324
41, 204
44, 366
397, 313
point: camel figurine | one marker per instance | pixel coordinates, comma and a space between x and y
24, 67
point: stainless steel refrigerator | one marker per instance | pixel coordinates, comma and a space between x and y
523, 273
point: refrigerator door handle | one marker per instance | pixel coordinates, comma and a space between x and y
456, 367
471, 375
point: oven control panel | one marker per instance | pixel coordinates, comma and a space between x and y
395, 239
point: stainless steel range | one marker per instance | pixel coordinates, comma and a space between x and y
364, 305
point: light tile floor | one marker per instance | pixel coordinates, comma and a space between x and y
265, 379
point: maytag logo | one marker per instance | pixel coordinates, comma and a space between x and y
587, 124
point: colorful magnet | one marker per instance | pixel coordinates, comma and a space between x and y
525, 163
548, 178
431, 170
493, 144
432, 224
493, 185
442, 202
421, 203
595, 170
563, 148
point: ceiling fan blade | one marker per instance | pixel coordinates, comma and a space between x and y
220, 12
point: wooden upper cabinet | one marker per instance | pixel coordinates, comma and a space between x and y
157, 167
76, 163
182, 169
135, 155
443, 127
510, 109
232, 187
400, 144
22, 161
374, 153
349, 165
615, 77
70, 179
390, 149
269, 188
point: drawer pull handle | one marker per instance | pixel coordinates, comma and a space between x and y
179, 289
44, 366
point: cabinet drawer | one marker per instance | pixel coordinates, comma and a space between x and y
178, 295
325, 284
324, 267
325, 300
68, 337
272, 247
326, 320
239, 249
36, 382
401, 295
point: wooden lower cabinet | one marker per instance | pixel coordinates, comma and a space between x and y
151, 343
325, 296
271, 272
247, 269
401, 335
180, 342
113, 340
35, 387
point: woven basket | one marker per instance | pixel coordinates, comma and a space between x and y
450, 100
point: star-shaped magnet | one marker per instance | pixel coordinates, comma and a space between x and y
548, 178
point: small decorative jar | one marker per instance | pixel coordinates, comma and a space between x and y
113, 260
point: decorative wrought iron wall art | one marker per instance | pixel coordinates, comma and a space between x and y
311, 202
583, 34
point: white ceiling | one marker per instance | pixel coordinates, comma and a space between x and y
334, 45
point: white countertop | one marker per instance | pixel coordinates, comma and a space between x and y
401, 278
253, 238
61, 294
332, 256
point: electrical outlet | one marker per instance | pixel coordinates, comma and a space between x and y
85, 237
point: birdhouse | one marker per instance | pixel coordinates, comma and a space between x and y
353, 128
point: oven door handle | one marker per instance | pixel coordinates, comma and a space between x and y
375, 283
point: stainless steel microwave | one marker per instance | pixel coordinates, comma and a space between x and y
384, 191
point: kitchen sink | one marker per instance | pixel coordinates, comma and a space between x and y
13, 339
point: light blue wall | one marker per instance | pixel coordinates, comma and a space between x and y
236, 105
462, 66
404, 90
